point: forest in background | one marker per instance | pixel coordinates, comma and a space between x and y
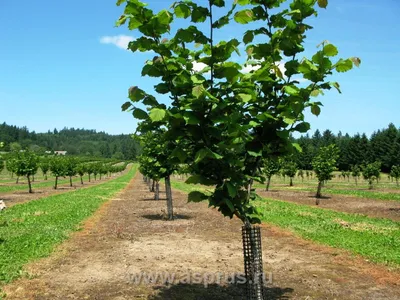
357, 149
75, 141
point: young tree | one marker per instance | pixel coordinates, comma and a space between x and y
271, 167
58, 168
44, 166
81, 169
230, 118
324, 164
372, 172
26, 164
301, 174
289, 169
395, 173
89, 169
70, 168
355, 172
10, 164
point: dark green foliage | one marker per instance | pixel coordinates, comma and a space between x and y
25, 163
74, 141
44, 165
58, 168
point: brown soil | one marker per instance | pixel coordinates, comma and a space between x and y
369, 207
128, 235
18, 197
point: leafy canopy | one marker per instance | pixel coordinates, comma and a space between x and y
229, 118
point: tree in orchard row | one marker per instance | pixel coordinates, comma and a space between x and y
156, 163
323, 165
1, 164
11, 166
57, 168
81, 169
395, 173
70, 168
289, 169
355, 172
44, 165
271, 167
231, 118
26, 163
301, 174
372, 172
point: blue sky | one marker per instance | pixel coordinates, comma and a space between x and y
62, 63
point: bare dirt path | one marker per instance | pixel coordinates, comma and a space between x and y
369, 207
128, 235
22, 196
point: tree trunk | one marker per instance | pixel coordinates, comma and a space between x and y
81, 180
55, 184
33, 178
355, 178
17, 180
153, 185
253, 266
29, 184
268, 183
45, 176
397, 181
157, 191
318, 195
291, 181
70, 181
95, 177
370, 184
170, 208
100, 176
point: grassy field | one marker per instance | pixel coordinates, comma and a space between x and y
30, 231
375, 239
369, 194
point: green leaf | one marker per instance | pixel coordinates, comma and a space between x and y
248, 37
344, 65
244, 16
119, 2
182, 11
245, 97
297, 147
336, 86
197, 196
315, 110
197, 79
229, 204
200, 155
179, 153
157, 114
198, 179
255, 154
198, 91
292, 90
140, 114
136, 94
231, 189
289, 121
302, 127
330, 50
323, 3
315, 93
190, 118
126, 105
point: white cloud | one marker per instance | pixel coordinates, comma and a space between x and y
121, 41
249, 68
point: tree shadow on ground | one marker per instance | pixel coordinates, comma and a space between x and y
321, 198
163, 217
214, 292
152, 199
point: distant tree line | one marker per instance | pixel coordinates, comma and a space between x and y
383, 146
74, 141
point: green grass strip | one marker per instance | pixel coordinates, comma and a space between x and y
374, 238
354, 193
31, 230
